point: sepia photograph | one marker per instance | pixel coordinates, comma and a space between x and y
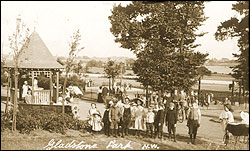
124, 75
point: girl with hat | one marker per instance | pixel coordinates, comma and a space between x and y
95, 118
139, 123
226, 116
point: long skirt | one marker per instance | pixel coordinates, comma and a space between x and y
139, 123
99, 99
96, 123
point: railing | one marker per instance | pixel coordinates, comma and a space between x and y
41, 97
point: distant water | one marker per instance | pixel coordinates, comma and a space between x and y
220, 69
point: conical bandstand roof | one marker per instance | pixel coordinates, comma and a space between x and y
36, 55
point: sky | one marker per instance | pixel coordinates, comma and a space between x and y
56, 21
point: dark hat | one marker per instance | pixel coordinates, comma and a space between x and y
229, 107
96, 113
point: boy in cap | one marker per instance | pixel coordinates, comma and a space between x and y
114, 117
171, 120
159, 120
126, 117
150, 116
194, 120
105, 119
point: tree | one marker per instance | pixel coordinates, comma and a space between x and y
78, 68
94, 63
162, 35
167, 72
112, 69
86, 68
129, 63
74, 50
18, 40
239, 28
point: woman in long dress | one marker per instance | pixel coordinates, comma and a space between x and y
25, 89
99, 98
226, 116
95, 118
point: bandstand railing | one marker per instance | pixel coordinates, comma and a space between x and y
41, 97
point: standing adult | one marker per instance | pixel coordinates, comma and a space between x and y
226, 116
99, 98
25, 90
171, 120
194, 120
104, 94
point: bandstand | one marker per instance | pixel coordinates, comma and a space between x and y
33, 60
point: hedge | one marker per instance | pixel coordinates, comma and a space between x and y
29, 120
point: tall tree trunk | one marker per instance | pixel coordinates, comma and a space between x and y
113, 80
109, 85
15, 98
65, 82
199, 89
182, 42
240, 93
8, 90
233, 99
147, 96
64, 92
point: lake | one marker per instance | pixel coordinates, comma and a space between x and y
220, 69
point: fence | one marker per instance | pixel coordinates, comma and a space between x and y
41, 97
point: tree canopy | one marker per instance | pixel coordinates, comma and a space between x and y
239, 28
162, 35
112, 69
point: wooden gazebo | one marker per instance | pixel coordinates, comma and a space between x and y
34, 59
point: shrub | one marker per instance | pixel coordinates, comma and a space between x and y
4, 79
6, 120
29, 120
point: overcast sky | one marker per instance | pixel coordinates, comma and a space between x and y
56, 21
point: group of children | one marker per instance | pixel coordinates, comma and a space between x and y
121, 117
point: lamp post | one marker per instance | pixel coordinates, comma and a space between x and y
109, 84
199, 88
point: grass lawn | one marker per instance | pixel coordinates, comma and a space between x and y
39, 139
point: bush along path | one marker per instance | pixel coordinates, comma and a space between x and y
30, 120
